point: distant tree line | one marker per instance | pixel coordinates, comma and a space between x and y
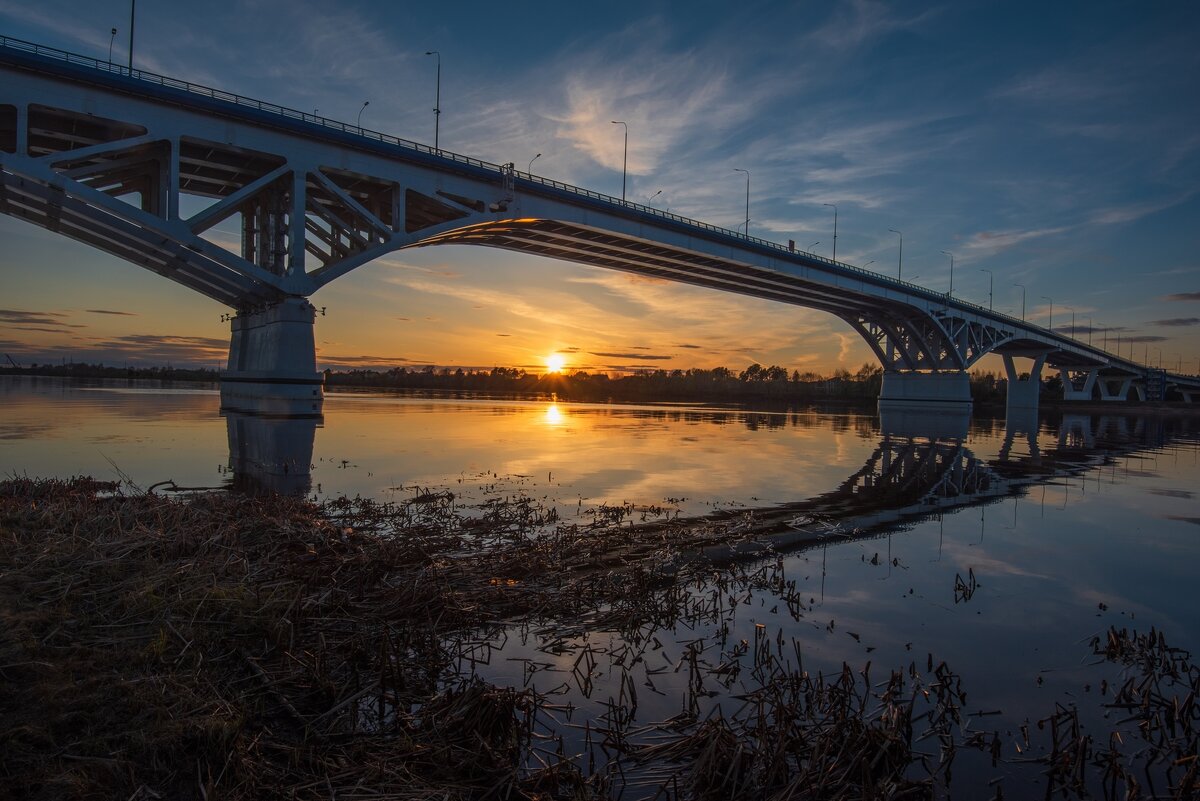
82, 370
756, 382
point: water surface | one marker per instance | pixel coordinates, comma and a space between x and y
1001, 550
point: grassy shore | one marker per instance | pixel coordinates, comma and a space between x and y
219, 646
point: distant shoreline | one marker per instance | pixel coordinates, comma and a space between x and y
691, 386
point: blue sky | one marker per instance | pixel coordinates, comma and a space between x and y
1055, 144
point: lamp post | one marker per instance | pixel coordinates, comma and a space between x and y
1104, 346
1072, 310
437, 100
739, 169
900, 260
650, 199
132, 12
529, 169
1089, 319
834, 228
110, 44
989, 272
361, 110
813, 245
951, 255
1022, 300
625, 158
1051, 325
868, 264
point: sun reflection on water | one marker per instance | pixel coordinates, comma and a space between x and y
554, 416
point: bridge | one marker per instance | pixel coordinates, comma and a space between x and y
103, 154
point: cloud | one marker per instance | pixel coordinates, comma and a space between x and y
1134, 211
40, 329
995, 241
1176, 322
663, 97
109, 311
1146, 338
40, 318
649, 356
1183, 296
859, 21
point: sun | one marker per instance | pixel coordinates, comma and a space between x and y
555, 363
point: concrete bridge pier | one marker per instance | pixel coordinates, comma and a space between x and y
1106, 388
926, 391
1023, 392
1073, 390
273, 361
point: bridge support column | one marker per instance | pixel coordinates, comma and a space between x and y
1070, 392
1106, 385
1023, 392
273, 361
928, 391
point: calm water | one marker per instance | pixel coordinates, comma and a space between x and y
1069, 525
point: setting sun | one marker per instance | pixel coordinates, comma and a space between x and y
555, 363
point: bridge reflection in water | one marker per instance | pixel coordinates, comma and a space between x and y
920, 467
270, 452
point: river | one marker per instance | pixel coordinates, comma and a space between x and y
1001, 549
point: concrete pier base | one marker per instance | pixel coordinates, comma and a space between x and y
927, 391
1121, 393
1073, 389
1023, 392
272, 361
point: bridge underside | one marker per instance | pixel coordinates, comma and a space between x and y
259, 211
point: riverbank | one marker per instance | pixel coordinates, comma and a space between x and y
217, 646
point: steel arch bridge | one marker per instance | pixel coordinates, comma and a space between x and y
103, 154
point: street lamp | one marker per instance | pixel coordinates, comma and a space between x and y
1051, 326
899, 261
1072, 310
868, 264
650, 199
834, 228
1089, 319
625, 158
529, 169
739, 169
1104, 328
951, 255
813, 245
989, 272
361, 110
110, 44
437, 100
132, 12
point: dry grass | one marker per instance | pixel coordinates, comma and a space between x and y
224, 647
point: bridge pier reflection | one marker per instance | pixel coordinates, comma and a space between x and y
270, 452
904, 420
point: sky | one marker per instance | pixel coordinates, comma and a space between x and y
1055, 144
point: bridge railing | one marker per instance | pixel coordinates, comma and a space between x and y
408, 144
